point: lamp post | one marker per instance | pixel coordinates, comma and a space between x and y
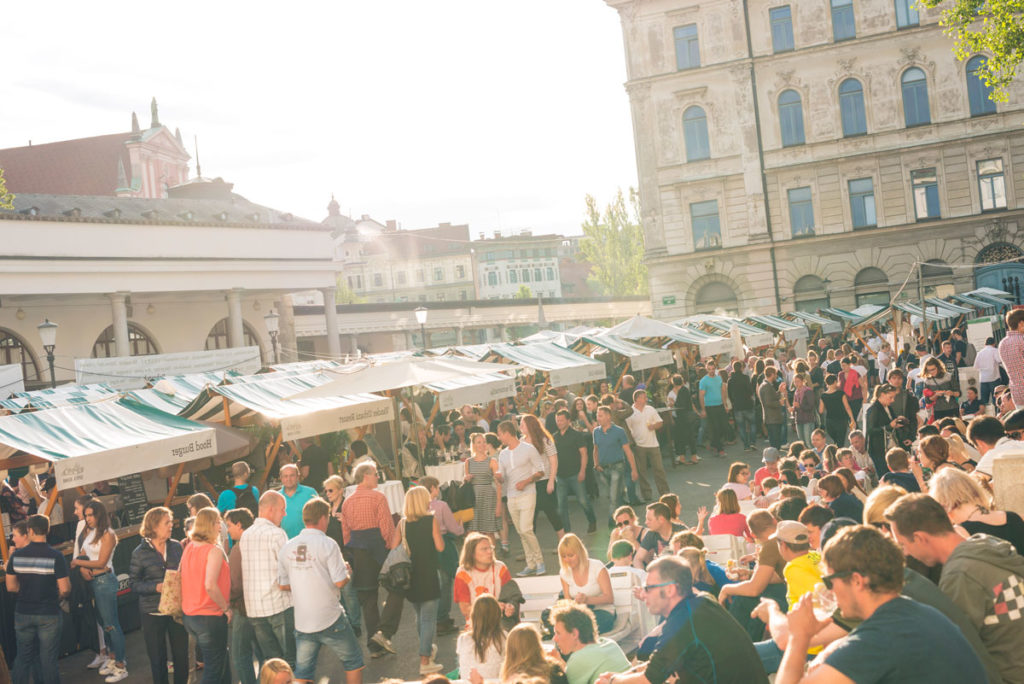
48, 336
828, 292
271, 320
421, 318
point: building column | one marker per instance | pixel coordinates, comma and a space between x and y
458, 336
502, 333
355, 342
331, 316
119, 310
236, 330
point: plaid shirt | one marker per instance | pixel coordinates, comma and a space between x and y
364, 510
260, 545
1011, 351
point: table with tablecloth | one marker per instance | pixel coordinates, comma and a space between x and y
446, 472
392, 490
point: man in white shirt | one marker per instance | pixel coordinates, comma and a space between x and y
268, 608
519, 466
643, 423
993, 439
310, 566
988, 362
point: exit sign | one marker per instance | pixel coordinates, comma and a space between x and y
668, 300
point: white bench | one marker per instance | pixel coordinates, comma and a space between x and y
539, 594
632, 619
721, 548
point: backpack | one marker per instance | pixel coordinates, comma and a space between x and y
244, 498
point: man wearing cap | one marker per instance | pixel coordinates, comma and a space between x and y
990, 438
770, 458
801, 572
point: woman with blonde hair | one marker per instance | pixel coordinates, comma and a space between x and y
586, 581
205, 587
276, 671
421, 535
481, 648
697, 561
970, 507
535, 434
525, 658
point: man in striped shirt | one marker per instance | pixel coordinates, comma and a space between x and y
1011, 351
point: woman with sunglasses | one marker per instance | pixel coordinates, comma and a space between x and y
334, 492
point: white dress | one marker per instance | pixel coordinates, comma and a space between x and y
591, 588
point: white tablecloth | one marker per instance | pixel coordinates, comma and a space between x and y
392, 491
446, 472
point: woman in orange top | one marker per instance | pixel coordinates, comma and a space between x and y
205, 586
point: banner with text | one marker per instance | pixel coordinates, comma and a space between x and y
132, 372
334, 419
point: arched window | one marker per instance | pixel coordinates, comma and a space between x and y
139, 343
791, 118
695, 131
978, 93
218, 336
871, 286
851, 108
716, 297
13, 350
809, 294
936, 278
915, 98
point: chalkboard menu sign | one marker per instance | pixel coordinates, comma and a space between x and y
134, 499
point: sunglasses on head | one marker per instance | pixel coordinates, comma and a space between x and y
648, 587
827, 579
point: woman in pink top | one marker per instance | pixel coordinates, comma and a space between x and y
739, 477
729, 520
205, 587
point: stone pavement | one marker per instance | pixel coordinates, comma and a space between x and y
695, 485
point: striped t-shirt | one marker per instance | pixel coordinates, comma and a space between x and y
38, 566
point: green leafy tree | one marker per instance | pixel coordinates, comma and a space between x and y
6, 198
995, 27
343, 294
613, 243
524, 292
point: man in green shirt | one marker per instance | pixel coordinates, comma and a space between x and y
587, 655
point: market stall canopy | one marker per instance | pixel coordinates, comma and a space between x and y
275, 401
642, 328
64, 395
305, 366
189, 386
640, 357
168, 403
981, 305
92, 442
560, 338
958, 309
406, 372
827, 325
998, 298
846, 317
722, 325
789, 329
564, 367
472, 389
934, 314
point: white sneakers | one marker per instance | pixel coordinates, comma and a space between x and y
107, 667
99, 661
116, 674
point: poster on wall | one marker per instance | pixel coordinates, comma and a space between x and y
133, 372
979, 330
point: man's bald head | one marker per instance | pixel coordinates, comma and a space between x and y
273, 506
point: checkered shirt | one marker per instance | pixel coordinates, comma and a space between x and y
260, 545
1011, 351
364, 510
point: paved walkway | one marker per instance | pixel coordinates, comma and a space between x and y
695, 486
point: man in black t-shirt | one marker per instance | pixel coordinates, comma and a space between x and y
38, 574
313, 466
660, 529
571, 447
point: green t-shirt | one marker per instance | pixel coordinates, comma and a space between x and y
590, 662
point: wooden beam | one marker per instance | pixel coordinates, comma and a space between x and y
4, 551
227, 411
206, 483
618, 383
174, 484
541, 392
271, 459
50, 504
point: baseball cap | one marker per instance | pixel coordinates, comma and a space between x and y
769, 455
792, 532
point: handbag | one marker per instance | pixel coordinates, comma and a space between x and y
396, 572
170, 596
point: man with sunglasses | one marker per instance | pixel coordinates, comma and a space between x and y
898, 640
696, 641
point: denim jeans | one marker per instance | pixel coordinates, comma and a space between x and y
38, 640
770, 655
565, 486
613, 475
444, 606
339, 638
104, 591
986, 391
718, 425
426, 625
211, 634
745, 425
350, 600
157, 630
274, 635
803, 432
774, 431
242, 642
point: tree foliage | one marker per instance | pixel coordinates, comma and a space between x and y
6, 198
613, 243
343, 294
524, 292
993, 27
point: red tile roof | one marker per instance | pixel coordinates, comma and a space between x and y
86, 166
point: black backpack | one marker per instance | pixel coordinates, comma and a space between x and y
244, 498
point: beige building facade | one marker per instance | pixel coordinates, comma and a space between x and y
813, 153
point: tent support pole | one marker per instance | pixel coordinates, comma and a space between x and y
51, 503
434, 409
271, 457
396, 433
4, 551
540, 394
206, 483
227, 412
618, 383
174, 484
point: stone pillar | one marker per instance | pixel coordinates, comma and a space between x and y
355, 342
236, 330
1007, 474
458, 336
331, 316
119, 311
503, 333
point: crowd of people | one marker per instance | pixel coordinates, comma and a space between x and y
869, 534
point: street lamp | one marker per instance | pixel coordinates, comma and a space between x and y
421, 318
48, 336
271, 320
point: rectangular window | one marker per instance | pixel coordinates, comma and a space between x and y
438, 274
419, 275
526, 275
423, 298
378, 280
862, 203
843, 27
462, 295
513, 276
801, 212
400, 276
687, 47
551, 273
906, 13
926, 194
992, 184
492, 279
460, 272
782, 28
490, 256
536, 275
707, 232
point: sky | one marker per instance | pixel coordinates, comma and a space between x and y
502, 114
